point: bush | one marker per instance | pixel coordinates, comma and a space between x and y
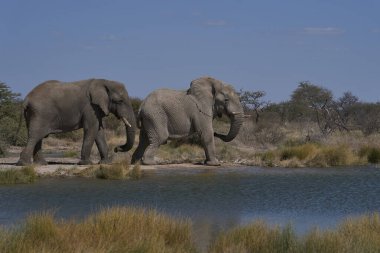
372, 154
334, 156
301, 152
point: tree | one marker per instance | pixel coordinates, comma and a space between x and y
252, 102
310, 102
10, 108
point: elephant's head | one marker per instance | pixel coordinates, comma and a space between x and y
111, 96
216, 99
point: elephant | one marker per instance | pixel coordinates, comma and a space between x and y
58, 107
168, 114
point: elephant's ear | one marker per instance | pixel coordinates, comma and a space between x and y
99, 95
205, 89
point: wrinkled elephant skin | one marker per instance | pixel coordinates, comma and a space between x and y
167, 114
56, 107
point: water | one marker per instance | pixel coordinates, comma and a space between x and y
215, 199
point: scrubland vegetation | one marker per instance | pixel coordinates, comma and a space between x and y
121, 229
311, 129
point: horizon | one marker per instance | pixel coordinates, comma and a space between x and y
267, 46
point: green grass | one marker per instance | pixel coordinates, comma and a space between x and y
115, 229
70, 154
18, 176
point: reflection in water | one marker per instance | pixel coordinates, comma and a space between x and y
215, 199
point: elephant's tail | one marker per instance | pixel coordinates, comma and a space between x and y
22, 113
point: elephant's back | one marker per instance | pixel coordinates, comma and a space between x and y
163, 97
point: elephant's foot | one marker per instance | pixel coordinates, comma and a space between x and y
212, 163
84, 162
23, 163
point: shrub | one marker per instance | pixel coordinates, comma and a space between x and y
372, 154
18, 176
301, 152
333, 156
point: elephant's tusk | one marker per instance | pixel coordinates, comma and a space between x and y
126, 121
236, 113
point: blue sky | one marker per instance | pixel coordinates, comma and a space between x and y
254, 45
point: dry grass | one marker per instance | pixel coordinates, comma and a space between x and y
110, 230
120, 229
257, 237
117, 171
353, 235
18, 176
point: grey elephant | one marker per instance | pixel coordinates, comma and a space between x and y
56, 107
168, 114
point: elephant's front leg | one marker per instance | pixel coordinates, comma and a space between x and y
101, 143
209, 147
88, 141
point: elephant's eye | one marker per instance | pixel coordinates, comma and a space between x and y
118, 101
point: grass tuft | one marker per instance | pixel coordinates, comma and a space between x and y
136, 172
114, 229
114, 171
18, 176
257, 237
351, 236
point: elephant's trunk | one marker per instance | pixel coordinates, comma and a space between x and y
236, 122
130, 129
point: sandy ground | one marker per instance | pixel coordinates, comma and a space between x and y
62, 166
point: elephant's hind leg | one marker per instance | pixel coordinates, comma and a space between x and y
155, 140
33, 147
37, 154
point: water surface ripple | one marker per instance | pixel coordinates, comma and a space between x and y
215, 198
